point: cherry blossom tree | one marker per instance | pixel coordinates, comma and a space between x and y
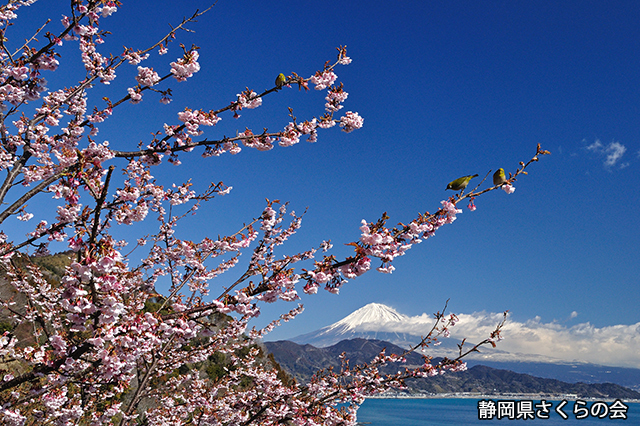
103, 346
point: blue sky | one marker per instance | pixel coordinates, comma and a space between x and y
446, 89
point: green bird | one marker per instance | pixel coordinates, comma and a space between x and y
280, 80
460, 183
499, 177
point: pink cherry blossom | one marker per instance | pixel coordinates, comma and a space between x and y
351, 121
324, 79
186, 66
147, 76
108, 9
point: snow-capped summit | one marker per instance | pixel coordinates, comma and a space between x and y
370, 317
373, 321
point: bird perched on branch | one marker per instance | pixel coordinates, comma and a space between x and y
460, 183
499, 177
280, 80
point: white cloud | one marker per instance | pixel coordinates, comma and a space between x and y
574, 314
617, 345
613, 152
596, 146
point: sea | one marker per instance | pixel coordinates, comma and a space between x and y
466, 411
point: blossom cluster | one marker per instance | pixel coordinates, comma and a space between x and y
186, 66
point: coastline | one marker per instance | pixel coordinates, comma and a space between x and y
506, 395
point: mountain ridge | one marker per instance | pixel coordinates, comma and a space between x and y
302, 361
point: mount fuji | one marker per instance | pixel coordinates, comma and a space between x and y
374, 321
